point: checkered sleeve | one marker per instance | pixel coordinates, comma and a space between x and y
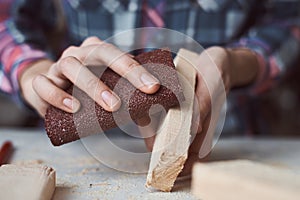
276, 42
14, 58
22, 40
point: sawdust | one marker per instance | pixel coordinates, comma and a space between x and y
99, 184
89, 170
29, 162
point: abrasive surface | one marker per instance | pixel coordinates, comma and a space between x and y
63, 127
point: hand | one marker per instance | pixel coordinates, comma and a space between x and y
43, 83
219, 69
214, 81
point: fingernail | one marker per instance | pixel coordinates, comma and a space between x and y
73, 104
111, 99
149, 80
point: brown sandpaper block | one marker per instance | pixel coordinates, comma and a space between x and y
244, 179
63, 127
172, 141
26, 182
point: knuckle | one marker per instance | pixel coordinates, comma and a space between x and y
129, 70
71, 50
52, 96
106, 46
132, 66
38, 80
92, 39
65, 63
92, 83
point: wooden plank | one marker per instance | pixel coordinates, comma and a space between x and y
26, 182
243, 179
172, 141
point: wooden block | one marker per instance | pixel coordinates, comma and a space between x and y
172, 141
243, 179
26, 182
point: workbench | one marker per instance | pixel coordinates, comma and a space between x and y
81, 176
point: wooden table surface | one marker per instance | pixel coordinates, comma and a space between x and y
81, 176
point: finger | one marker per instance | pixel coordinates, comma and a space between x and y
84, 79
204, 144
54, 95
39, 105
33, 99
57, 77
198, 141
196, 125
121, 63
90, 41
201, 114
42, 109
202, 104
194, 149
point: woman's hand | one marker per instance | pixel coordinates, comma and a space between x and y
237, 68
43, 83
218, 70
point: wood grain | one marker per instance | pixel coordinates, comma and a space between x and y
26, 182
244, 179
172, 141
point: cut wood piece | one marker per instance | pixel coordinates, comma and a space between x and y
172, 141
243, 179
26, 182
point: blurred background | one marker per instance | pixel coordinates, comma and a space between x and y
280, 107
13, 115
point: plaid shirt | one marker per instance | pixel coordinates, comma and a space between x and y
268, 27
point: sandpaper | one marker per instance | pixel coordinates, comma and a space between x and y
63, 127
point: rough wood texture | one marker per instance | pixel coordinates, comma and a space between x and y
172, 141
243, 179
26, 182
